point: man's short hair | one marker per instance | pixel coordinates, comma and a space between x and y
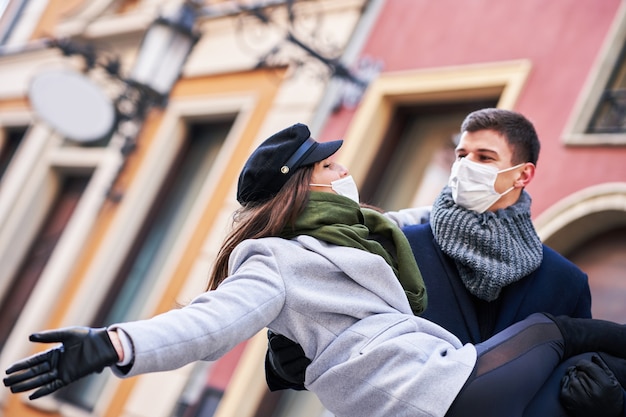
518, 131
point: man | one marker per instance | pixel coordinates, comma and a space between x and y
481, 259
483, 262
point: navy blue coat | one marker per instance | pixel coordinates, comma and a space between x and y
558, 287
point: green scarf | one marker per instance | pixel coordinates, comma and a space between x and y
340, 221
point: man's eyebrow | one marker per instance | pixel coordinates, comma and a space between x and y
481, 150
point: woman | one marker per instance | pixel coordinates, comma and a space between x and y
308, 262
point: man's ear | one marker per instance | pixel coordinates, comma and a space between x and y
526, 176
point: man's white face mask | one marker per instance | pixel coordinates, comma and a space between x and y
472, 184
344, 186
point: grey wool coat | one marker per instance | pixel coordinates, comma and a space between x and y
370, 355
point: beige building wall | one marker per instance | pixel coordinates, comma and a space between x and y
218, 79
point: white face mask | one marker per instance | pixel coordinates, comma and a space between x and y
472, 184
344, 186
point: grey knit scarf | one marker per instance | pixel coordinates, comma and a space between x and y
491, 249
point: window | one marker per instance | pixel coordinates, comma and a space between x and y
43, 245
599, 117
10, 140
413, 163
155, 239
610, 113
405, 118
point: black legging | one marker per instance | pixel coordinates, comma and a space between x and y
513, 373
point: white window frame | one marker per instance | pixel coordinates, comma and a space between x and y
575, 130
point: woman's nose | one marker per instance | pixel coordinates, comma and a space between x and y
343, 171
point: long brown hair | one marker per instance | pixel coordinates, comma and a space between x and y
265, 219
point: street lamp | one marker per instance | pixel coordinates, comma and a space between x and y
163, 52
77, 108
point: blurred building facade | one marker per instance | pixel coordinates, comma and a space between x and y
93, 233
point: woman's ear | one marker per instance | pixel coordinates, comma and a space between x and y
526, 176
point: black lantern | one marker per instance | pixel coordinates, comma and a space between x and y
163, 52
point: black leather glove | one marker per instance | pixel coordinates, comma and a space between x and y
590, 389
285, 363
84, 351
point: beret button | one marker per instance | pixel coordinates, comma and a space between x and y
284, 169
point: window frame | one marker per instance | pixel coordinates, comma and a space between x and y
575, 132
391, 90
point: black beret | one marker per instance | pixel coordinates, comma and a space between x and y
276, 159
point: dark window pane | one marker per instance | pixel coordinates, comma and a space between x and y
39, 253
610, 114
8, 147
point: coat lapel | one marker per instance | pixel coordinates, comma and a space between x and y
462, 298
513, 297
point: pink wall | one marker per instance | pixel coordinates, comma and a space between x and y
561, 38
